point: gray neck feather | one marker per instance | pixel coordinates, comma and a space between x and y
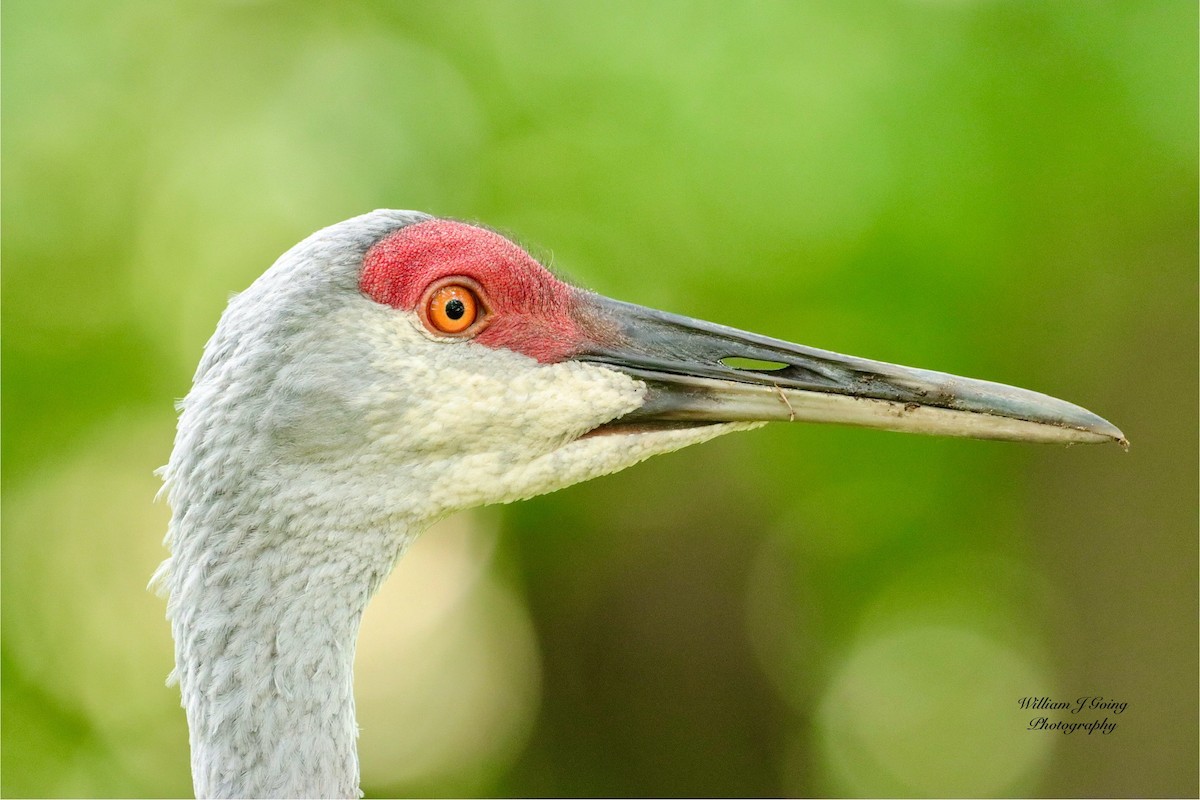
266, 678
265, 629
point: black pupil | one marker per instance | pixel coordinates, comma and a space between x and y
455, 309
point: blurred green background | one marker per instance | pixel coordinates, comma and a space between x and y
1001, 189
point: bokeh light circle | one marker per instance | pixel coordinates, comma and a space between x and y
930, 711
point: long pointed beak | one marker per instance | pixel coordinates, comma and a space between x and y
686, 365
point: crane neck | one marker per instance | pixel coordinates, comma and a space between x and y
265, 634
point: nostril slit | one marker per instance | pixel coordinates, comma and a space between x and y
752, 364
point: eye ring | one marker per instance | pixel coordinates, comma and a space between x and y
454, 307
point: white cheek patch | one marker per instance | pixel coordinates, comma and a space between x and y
492, 478
431, 400
476, 398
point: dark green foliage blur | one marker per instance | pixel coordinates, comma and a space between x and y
1006, 190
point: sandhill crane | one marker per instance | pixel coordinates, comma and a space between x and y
396, 367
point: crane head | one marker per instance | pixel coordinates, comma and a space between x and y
433, 365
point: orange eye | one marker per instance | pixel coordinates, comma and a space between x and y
452, 309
